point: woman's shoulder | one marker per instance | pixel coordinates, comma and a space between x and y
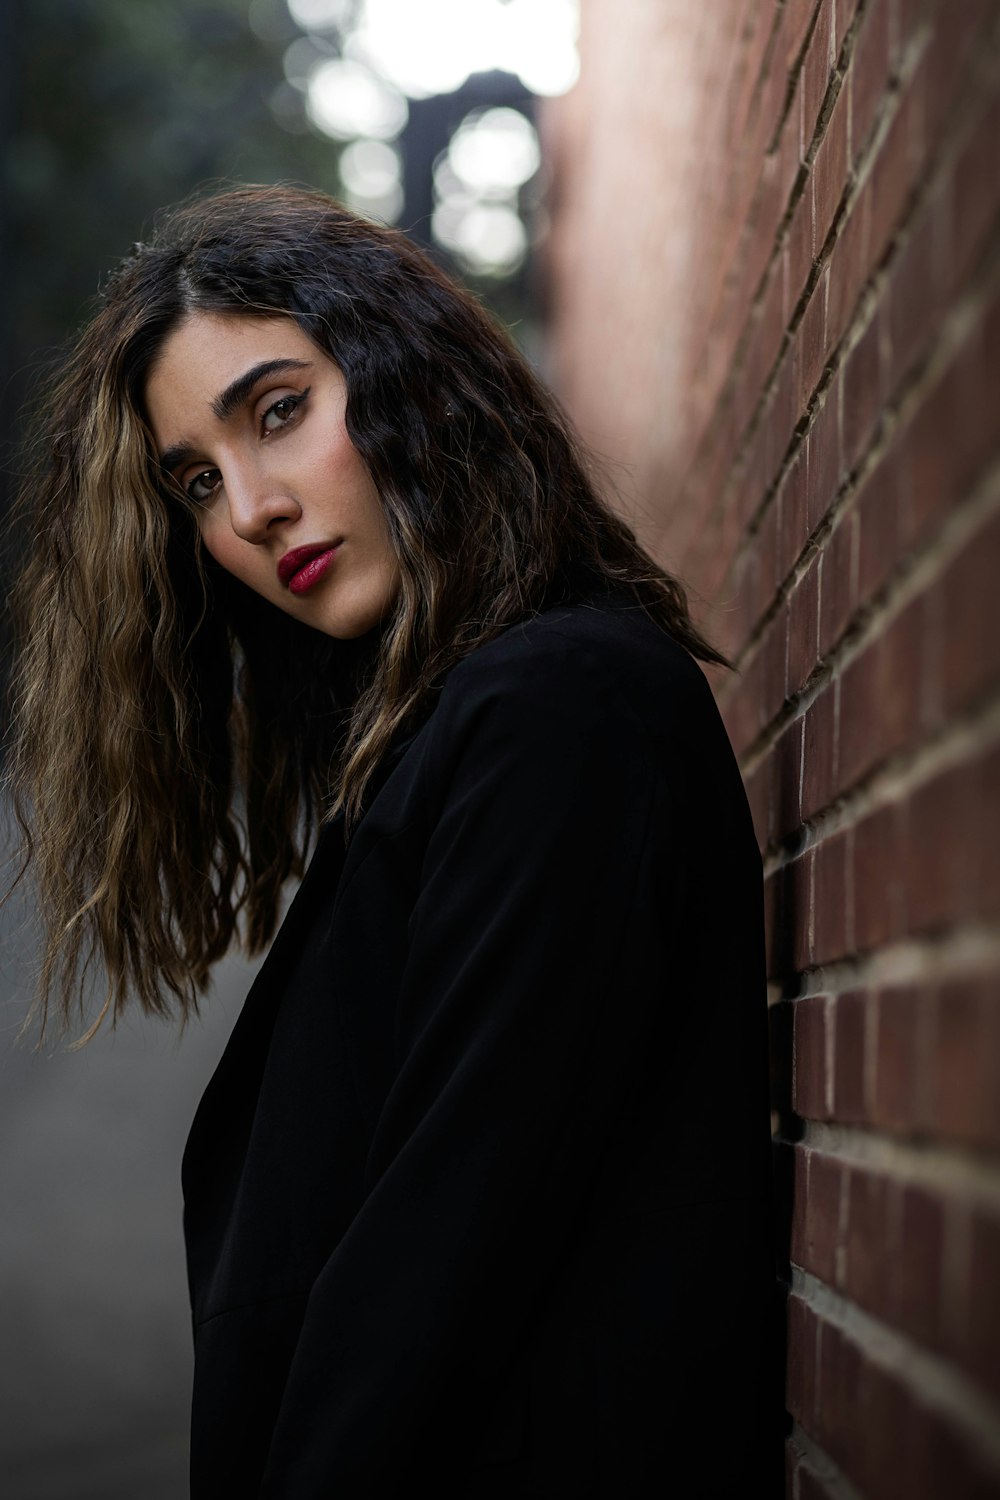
583, 660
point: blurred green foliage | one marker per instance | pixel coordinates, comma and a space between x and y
119, 107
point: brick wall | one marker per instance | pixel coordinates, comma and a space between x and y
773, 280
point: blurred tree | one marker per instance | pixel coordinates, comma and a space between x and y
121, 106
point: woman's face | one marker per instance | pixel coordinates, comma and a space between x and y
248, 416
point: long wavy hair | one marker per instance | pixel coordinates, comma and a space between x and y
176, 740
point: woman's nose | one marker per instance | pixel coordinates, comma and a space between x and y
257, 503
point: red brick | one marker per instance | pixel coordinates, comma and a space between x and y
965, 1062
941, 825
798, 893
866, 1266
880, 701
849, 267
774, 649
816, 1220
741, 707
770, 330
739, 614
878, 878
845, 12
849, 1102
803, 629
950, 1464
772, 88
869, 72
825, 464
800, 1380
810, 344
893, 174
896, 1101
754, 39
883, 1437
916, 292
715, 462
830, 909
971, 620
879, 526
789, 171
946, 65
984, 1300
789, 947
767, 553
829, 172
758, 786
987, 864
839, 1375
798, 14
758, 247
882, 1447
969, 210
793, 521
908, 21
786, 770
863, 393
780, 418
799, 249
817, 764
839, 598
916, 1257
860, 707
809, 1058
817, 67
962, 404
901, 673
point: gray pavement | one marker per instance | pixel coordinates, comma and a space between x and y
95, 1344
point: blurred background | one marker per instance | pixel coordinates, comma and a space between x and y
754, 245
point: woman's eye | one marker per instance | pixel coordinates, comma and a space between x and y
281, 412
203, 486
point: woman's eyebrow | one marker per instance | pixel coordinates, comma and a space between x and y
227, 401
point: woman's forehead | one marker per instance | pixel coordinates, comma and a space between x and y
211, 361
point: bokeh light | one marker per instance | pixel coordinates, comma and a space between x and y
372, 174
345, 100
319, 15
494, 152
432, 47
477, 183
357, 64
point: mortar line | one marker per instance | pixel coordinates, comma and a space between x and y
930, 1378
971, 951
915, 573
869, 300
819, 1462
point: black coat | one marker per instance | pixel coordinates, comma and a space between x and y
478, 1196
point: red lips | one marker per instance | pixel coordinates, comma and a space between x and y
300, 567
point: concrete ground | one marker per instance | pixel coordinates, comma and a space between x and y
95, 1344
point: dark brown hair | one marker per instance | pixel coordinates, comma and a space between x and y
177, 740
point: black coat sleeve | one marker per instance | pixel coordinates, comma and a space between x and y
524, 990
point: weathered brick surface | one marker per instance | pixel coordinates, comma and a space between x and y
801, 369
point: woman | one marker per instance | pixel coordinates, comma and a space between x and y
478, 1195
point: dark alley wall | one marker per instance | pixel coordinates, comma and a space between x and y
774, 295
